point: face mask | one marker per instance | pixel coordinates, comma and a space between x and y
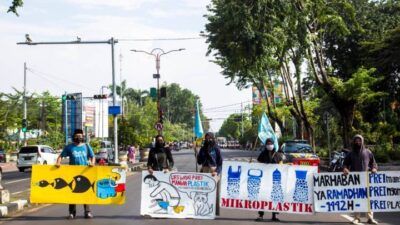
357, 147
270, 147
159, 144
78, 139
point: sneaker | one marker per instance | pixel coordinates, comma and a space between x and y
372, 221
88, 215
71, 216
259, 219
356, 222
275, 219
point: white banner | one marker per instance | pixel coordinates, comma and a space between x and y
267, 187
357, 192
178, 195
384, 191
336, 192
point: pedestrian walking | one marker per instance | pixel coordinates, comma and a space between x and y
360, 159
131, 153
160, 157
269, 155
79, 153
210, 159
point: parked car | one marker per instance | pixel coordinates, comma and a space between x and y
2, 155
35, 154
102, 154
299, 152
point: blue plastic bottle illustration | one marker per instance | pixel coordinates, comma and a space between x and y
277, 192
253, 183
233, 188
301, 188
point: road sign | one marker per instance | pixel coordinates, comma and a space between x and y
158, 126
114, 110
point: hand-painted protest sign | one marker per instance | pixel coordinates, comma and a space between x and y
336, 192
384, 191
357, 192
178, 195
78, 184
267, 187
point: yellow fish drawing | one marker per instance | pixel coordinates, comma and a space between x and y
178, 209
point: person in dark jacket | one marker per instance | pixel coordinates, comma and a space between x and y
210, 159
269, 155
160, 157
209, 156
360, 159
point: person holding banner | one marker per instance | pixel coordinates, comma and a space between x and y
210, 159
269, 155
358, 160
79, 153
160, 157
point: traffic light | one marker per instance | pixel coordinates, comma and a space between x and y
153, 93
163, 92
68, 97
24, 125
100, 96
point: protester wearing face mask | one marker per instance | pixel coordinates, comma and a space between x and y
269, 155
160, 157
209, 156
358, 160
210, 159
79, 153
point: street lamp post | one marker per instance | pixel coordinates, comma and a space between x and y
78, 41
157, 53
101, 120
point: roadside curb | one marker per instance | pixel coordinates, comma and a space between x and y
18, 205
13, 207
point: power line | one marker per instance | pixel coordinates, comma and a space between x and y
225, 106
34, 71
162, 39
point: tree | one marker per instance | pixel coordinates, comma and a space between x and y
14, 5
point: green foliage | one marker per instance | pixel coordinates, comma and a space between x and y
15, 4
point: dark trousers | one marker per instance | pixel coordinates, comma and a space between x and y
72, 209
261, 214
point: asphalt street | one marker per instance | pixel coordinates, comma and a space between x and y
130, 212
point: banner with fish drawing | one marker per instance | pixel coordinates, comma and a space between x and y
78, 184
178, 195
267, 187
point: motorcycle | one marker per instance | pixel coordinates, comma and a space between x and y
336, 165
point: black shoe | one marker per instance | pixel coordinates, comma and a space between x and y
88, 215
259, 219
275, 219
70, 216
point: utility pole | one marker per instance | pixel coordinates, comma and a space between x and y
241, 110
25, 107
157, 53
66, 118
111, 42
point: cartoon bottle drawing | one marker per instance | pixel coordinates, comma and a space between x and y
277, 192
253, 183
301, 187
233, 188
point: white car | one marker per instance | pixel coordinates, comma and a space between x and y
35, 154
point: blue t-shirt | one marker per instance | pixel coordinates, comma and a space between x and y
78, 155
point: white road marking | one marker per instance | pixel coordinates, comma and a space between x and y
16, 181
19, 192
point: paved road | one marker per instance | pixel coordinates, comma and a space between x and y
130, 212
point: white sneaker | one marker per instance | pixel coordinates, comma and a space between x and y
356, 221
372, 221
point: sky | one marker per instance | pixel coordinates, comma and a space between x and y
85, 68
